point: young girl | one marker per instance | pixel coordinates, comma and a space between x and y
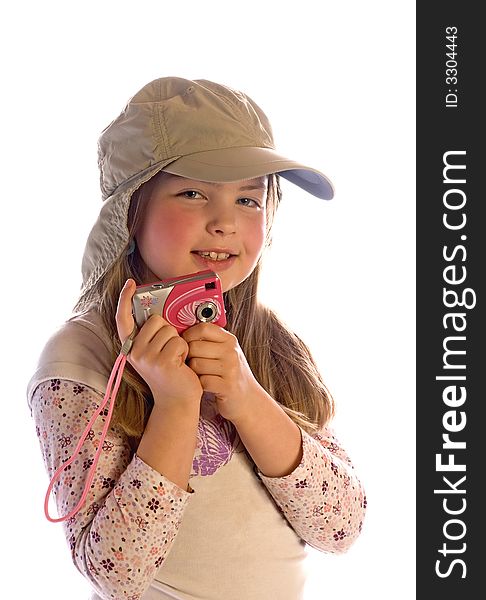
218, 466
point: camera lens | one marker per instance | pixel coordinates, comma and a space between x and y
207, 312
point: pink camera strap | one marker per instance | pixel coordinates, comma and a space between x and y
110, 395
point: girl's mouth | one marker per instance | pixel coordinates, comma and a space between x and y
213, 255
215, 261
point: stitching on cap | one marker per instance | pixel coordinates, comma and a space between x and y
244, 114
158, 124
160, 131
233, 105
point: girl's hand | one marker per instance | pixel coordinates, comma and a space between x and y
215, 355
158, 354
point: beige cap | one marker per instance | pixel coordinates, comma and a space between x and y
197, 129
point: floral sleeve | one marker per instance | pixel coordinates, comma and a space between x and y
131, 516
322, 498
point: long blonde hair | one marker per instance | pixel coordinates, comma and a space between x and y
279, 359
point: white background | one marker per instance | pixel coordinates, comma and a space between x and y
337, 81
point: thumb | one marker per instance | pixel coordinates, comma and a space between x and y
124, 317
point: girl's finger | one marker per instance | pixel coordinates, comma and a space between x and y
206, 349
206, 331
124, 317
206, 366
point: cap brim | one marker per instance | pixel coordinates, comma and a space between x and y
235, 164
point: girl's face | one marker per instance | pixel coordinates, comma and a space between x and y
185, 220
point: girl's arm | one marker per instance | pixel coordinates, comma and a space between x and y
319, 492
273, 440
129, 521
310, 478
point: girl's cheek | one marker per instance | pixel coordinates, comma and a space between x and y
175, 226
257, 236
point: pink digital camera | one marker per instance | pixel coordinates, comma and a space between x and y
182, 301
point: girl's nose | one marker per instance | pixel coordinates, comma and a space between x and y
222, 220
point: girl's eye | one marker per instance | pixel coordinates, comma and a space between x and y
195, 195
192, 194
249, 202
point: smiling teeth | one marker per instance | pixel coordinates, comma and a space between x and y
214, 255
